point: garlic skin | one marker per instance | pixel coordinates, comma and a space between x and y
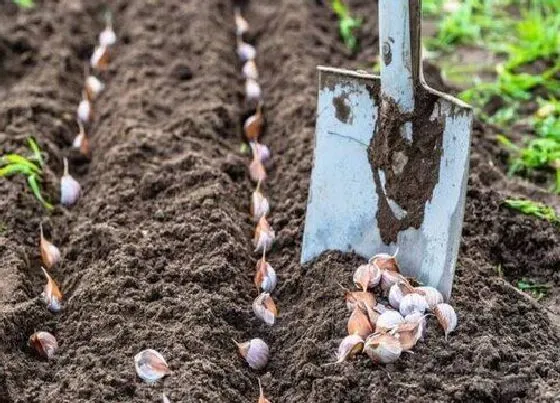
50, 254
359, 322
260, 151
264, 236
250, 70
246, 51
262, 399
387, 321
408, 334
252, 90
259, 205
150, 365
431, 294
107, 37
265, 308
257, 173
70, 189
51, 294
420, 319
367, 276
388, 278
265, 277
349, 347
84, 111
44, 343
93, 87
386, 262
446, 317
411, 303
255, 352
352, 299
383, 348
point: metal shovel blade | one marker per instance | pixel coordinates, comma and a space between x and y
391, 160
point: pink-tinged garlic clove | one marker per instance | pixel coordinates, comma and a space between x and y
100, 58
150, 365
386, 262
359, 322
250, 70
259, 205
387, 321
367, 276
431, 294
446, 317
264, 235
353, 297
44, 344
382, 348
262, 399
51, 294
265, 276
257, 172
265, 308
70, 189
255, 352
50, 254
260, 151
420, 319
411, 303
349, 347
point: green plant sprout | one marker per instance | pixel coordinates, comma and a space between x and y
347, 24
24, 3
529, 207
538, 291
30, 167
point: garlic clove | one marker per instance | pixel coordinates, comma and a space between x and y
349, 347
255, 352
359, 323
252, 90
253, 125
164, 398
265, 308
100, 58
250, 70
353, 297
420, 319
69, 188
387, 321
395, 296
107, 37
241, 24
259, 205
431, 294
246, 51
257, 173
367, 276
262, 399
93, 87
388, 278
382, 348
411, 303
265, 277
85, 111
260, 151
446, 317
51, 294
264, 235
81, 141
44, 343
408, 334
50, 254
150, 365
386, 262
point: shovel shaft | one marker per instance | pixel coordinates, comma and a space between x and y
400, 50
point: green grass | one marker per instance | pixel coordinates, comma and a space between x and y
537, 291
536, 209
347, 25
30, 167
24, 3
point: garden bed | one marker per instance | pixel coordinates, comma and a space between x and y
157, 252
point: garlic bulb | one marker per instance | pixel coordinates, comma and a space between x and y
367, 276
265, 277
431, 294
387, 321
44, 343
349, 347
420, 319
411, 303
408, 334
352, 299
259, 205
265, 308
264, 235
250, 70
260, 151
257, 173
93, 87
241, 24
50, 254
100, 58
359, 322
382, 348
262, 399
85, 111
51, 294
446, 317
69, 188
150, 365
252, 90
255, 352
245, 51
386, 262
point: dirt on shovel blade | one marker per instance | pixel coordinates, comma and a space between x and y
157, 252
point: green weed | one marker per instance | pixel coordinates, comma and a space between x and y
537, 291
24, 3
347, 25
529, 207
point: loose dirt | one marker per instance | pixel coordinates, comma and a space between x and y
157, 253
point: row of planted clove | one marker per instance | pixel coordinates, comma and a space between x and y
43, 342
385, 331
256, 351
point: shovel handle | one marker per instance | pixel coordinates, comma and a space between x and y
400, 50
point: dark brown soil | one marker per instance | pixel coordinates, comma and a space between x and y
157, 253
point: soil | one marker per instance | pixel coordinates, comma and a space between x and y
157, 253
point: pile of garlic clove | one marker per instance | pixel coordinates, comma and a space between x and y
383, 331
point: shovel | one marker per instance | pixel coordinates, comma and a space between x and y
391, 159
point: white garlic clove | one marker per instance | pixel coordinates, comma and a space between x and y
100, 58
50, 254
84, 111
255, 352
259, 205
265, 276
107, 37
252, 90
446, 317
367, 276
359, 322
386, 262
411, 303
420, 319
264, 235
246, 51
150, 365
260, 151
265, 308
388, 278
93, 87
349, 347
81, 141
241, 24
164, 398
383, 348
395, 296
250, 70
387, 321
44, 343
353, 297
69, 188
431, 294
257, 173
51, 294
